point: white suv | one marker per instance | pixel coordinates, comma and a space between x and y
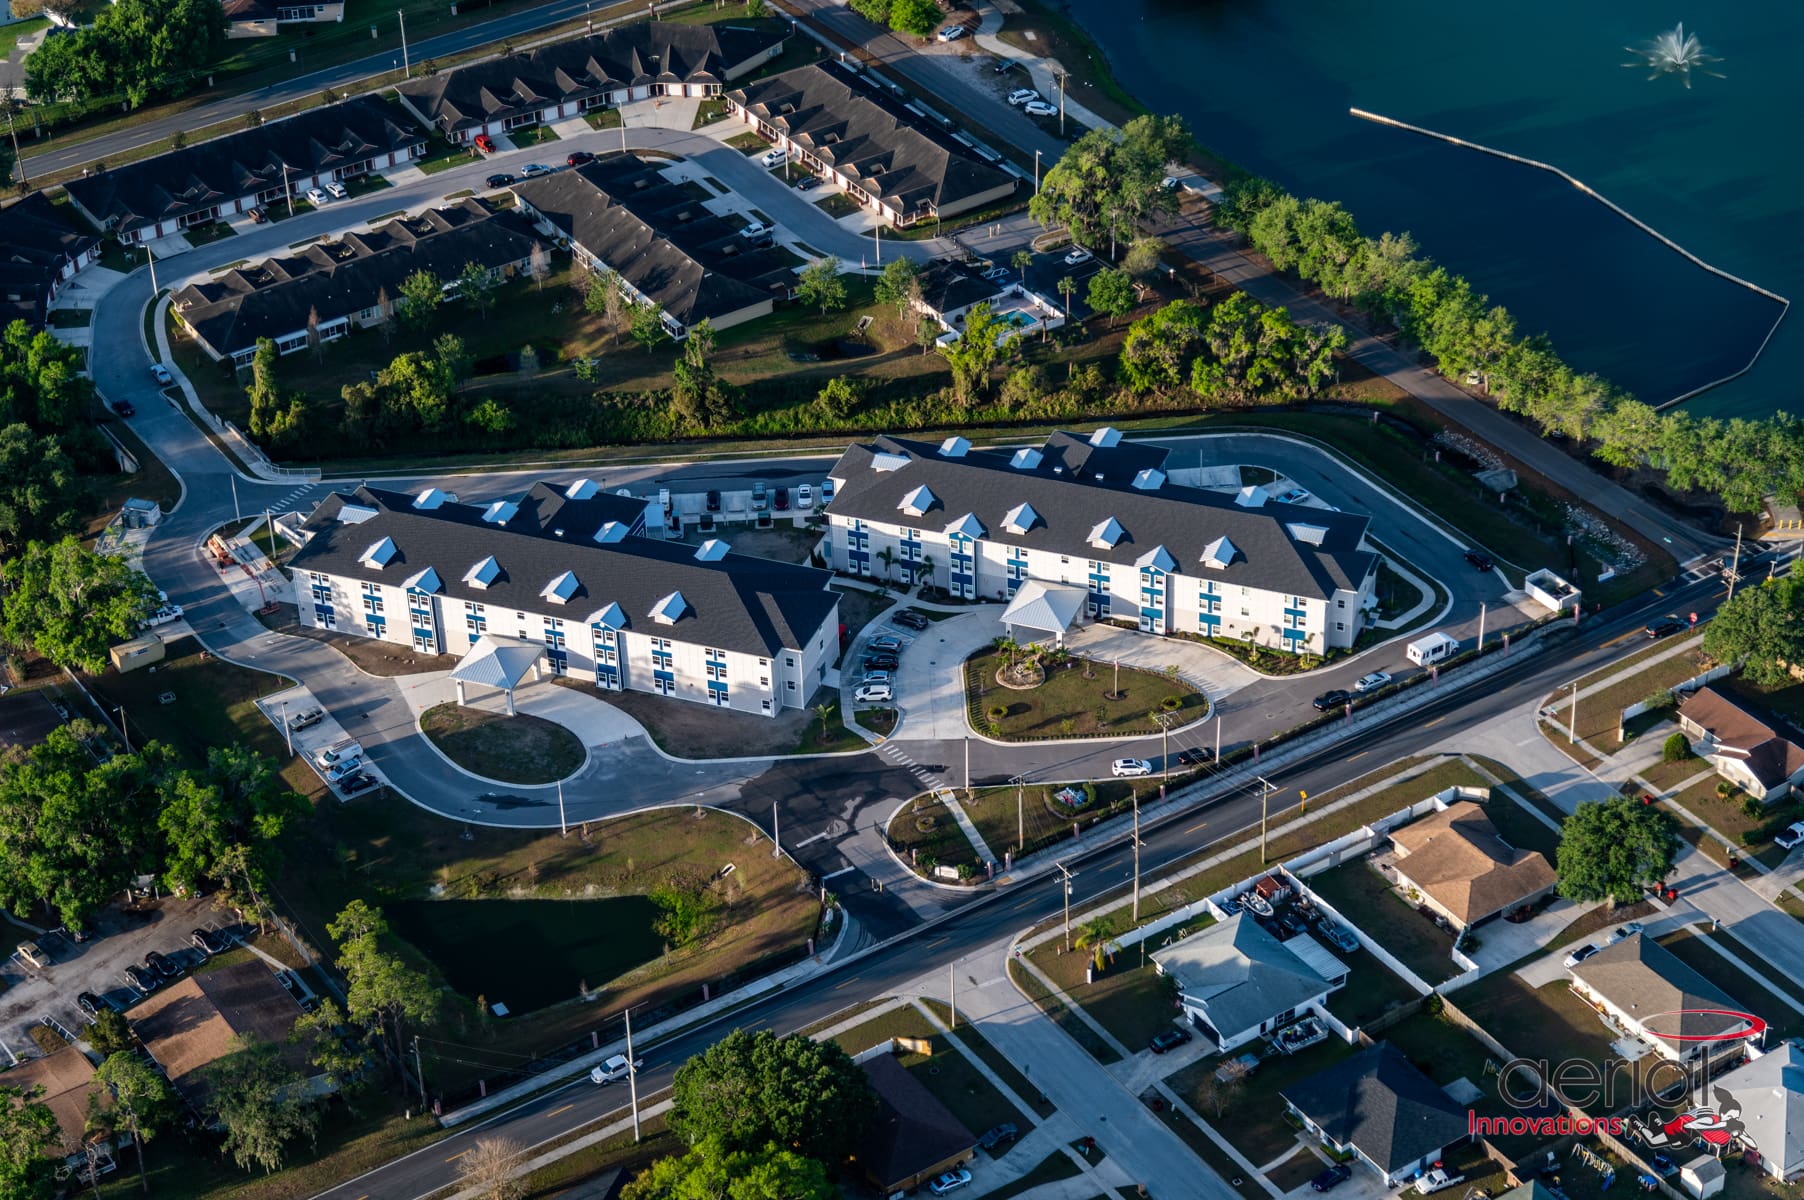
615, 1068
1127, 768
874, 693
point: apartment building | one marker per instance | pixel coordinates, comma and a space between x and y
569, 567
1099, 513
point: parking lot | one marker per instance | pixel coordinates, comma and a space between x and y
121, 937
25, 717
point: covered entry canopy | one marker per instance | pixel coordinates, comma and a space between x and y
497, 662
1046, 607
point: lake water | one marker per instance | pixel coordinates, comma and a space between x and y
1715, 168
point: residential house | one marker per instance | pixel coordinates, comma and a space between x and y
1099, 513
195, 1021
1770, 1090
568, 569
913, 1137
221, 178
1237, 982
570, 78
39, 253
950, 291
1746, 749
66, 1078
1378, 1106
1641, 988
622, 215
1456, 861
342, 282
883, 151
265, 18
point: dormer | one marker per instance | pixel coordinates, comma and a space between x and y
1105, 437
483, 573
1252, 497
712, 550
356, 514
670, 609
582, 489
1020, 518
1309, 535
431, 498
379, 554
1219, 553
1106, 534
613, 531
611, 616
500, 512
885, 461
955, 447
426, 582
918, 501
1149, 480
1157, 559
966, 526
561, 589
1026, 459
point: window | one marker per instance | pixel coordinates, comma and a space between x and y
764, 682
789, 660
791, 684
1340, 603
663, 687
766, 704
372, 604
1341, 625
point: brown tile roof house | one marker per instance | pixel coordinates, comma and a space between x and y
191, 1024
1742, 746
913, 1137
1456, 858
64, 1076
1638, 980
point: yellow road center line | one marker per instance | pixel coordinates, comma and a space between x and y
554, 1112
1433, 723
847, 983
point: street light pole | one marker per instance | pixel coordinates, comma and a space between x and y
406, 67
632, 1075
1068, 876
287, 730
1572, 718
1020, 813
563, 825
1265, 798
1036, 172
1136, 856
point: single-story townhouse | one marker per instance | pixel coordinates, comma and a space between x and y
212, 180
621, 214
1378, 1106
913, 1137
1099, 513
884, 152
192, 1023
1237, 982
1463, 869
1642, 988
66, 1078
570, 78
343, 282
265, 18
1770, 1090
39, 252
567, 570
949, 291
1746, 749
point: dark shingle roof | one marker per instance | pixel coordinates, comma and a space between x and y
197, 177
659, 238
1071, 502
35, 245
846, 121
1240, 973
912, 1132
1646, 980
231, 310
628, 56
1378, 1101
752, 605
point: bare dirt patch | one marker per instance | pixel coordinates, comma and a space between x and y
516, 749
371, 656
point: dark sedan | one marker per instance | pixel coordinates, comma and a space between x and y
1171, 1039
1479, 559
161, 965
578, 157
908, 618
1332, 1178
1193, 758
207, 942
1331, 700
501, 180
141, 978
1669, 624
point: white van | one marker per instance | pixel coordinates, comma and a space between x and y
336, 753
1433, 648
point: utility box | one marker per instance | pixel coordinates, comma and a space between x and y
139, 652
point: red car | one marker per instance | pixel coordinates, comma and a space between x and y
578, 158
485, 143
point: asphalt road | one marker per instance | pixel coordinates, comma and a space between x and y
999, 916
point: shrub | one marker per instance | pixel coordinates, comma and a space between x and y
997, 712
1676, 749
1171, 704
1724, 789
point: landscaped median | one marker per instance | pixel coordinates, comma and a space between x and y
519, 749
1028, 693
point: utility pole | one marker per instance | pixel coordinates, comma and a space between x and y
1265, 806
287, 730
563, 825
1020, 813
1068, 875
1572, 720
1036, 172
1218, 741
232, 478
776, 847
11, 104
952, 994
406, 67
126, 734
1733, 574
1136, 856
967, 766
1061, 104
632, 1075
152, 260
1164, 720
419, 1071
1481, 625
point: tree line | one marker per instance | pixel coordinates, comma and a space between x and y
139, 49
1233, 350
49, 446
917, 17
1741, 461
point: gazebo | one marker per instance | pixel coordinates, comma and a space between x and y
1046, 607
498, 662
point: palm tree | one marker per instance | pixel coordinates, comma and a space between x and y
1067, 285
1007, 648
825, 713
924, 571
1023, 259
887, 557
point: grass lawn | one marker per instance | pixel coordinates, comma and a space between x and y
1131, 1001
1002, 813
1600, 712
837, 204
748, 143
516, 749
1741, 987
1372, 990
993, 1058
1296, 1170
536, 135
1054, 1167
388, 852
1082, 698
946, 1073
1369, 900
1517, 825
1548, 1023
1204, 1147
1253, 1111
1728, 941
10, 34
928, 835
1599, 917
1062, 1015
